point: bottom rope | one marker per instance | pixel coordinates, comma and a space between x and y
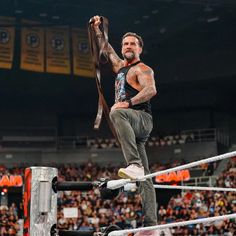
171, 225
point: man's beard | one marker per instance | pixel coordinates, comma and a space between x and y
130, 56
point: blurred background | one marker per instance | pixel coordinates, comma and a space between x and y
48, 96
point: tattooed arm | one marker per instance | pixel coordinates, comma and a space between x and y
116, 61
147, 88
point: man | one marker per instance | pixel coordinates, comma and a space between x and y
131, 115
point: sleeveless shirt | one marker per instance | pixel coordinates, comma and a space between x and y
124, 91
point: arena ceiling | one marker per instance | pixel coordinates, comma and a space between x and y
170, 28
185, 40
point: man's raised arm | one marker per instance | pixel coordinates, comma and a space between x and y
116, 61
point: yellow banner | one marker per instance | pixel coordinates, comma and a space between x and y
82, 60
32, 48
57, 49
7, 38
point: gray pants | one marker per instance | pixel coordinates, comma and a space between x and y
133, 128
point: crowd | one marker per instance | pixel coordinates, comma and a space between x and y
154, 141
9, 220
125, 210
163, 139
93, 212
196, 205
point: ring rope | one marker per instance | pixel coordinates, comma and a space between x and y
171, 225
195, 188
189, 165
114, 184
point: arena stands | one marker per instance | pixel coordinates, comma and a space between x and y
92, 212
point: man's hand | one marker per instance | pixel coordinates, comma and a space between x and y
120, 105
95, 21
116, 62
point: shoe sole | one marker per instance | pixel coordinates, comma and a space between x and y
124, 175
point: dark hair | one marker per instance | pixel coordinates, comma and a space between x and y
140, 40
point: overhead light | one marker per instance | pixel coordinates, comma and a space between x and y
18, 11
43, 14
145, 17
154, 11
137, 22
55, 17
162, 30
213, 19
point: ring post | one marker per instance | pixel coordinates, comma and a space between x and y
40, 201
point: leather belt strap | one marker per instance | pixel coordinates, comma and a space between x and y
97, 50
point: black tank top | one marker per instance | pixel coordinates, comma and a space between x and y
124, 91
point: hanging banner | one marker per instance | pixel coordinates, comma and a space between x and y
7, 38
57, 50
82, 60
32, 48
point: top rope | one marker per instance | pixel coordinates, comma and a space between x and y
114, 184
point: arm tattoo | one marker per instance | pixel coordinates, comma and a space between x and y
114, 58
147, 72
147, 83
144, 95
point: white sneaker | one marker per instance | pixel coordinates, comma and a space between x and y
148, 233
131, 172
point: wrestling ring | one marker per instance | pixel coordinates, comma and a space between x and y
40, 200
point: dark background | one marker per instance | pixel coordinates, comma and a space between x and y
190, 44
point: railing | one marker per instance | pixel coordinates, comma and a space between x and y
200, 181
46, 137
200, 135
71, 142
222, 136
28, 131
28, 137
206, 135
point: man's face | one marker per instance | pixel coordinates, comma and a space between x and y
130, 48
